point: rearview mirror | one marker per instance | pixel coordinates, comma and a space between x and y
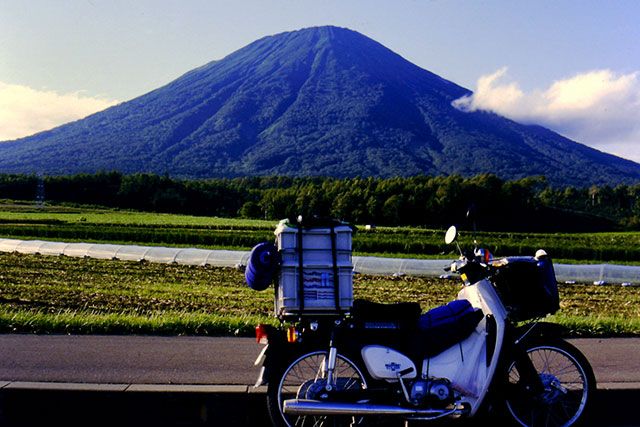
452, 234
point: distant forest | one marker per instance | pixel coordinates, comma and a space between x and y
528, 204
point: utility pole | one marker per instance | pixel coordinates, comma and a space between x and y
40, 200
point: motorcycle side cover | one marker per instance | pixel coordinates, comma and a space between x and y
383, 363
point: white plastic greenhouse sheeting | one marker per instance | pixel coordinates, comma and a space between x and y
601, 273
409, 267
128, 252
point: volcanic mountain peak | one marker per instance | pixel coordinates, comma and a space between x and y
318, 101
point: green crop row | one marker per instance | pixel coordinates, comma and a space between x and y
405, 244
175, 230
137, 235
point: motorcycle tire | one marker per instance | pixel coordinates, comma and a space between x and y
568, 381
304, 377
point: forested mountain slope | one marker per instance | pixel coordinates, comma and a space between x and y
322, 101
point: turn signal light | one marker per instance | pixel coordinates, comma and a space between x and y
261, 335
483, 255
292, 335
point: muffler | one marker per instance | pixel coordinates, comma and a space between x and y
315, 407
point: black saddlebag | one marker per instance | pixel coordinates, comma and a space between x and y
390, 325
403, 313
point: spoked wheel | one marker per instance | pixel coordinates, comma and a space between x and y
568, 387
306, 378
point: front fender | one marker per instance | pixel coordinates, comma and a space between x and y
541, 329
517, 339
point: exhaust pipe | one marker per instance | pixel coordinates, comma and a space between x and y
314, 407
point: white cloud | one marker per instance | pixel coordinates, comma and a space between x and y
598, 108
25, 111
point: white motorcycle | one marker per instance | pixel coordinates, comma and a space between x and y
485, 351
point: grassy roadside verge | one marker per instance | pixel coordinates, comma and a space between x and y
49, 294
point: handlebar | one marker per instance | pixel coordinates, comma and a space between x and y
472, 268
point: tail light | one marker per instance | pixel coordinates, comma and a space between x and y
261, 335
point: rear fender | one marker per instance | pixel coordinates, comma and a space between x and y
278, 355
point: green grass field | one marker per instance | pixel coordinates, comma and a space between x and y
46, 294
49, 294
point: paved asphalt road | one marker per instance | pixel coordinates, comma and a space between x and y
128, 359
211, 360
110, 365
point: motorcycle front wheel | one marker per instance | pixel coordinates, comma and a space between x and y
568, 387
306, 377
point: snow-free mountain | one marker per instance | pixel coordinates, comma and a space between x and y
320, 101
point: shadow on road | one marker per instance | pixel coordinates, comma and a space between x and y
37, 407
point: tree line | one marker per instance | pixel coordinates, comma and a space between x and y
527, 204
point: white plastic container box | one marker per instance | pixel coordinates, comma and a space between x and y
318, 271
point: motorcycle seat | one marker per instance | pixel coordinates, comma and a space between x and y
444, 326
459, 312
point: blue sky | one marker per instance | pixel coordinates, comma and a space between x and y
573, 66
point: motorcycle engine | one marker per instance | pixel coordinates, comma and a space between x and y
435, 393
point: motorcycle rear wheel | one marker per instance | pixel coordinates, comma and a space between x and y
568, 381
301, 379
